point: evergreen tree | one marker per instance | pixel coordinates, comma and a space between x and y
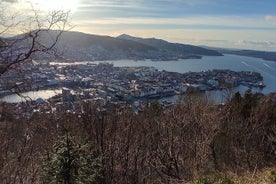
71, 163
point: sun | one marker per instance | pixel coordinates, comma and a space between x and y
49, 5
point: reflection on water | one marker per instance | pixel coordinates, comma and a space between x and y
31, 95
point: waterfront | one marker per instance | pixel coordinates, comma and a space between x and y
232, 62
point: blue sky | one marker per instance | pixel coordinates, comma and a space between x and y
248, 24
180, 8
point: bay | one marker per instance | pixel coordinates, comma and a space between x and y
31, 95
228, 61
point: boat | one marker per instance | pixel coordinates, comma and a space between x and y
261, 85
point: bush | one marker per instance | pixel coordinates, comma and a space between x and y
204, 181
272, 175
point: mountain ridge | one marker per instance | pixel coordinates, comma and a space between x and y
74, 45
177, 48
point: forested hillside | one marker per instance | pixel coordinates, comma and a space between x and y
194, 141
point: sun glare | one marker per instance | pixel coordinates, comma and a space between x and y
49, 5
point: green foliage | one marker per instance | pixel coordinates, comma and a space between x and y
243, 106
218, 179
272, 175
71, 162
203, 181
244, 139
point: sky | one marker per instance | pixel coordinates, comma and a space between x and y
246, 24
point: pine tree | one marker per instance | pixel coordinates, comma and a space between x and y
71, 163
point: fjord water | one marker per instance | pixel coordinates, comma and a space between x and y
231, 62
228, 61
31, 95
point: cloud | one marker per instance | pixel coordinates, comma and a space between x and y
240, 42
216, 41
107, 4
270, 18
141, 8
199, 22
259, 43
9, 1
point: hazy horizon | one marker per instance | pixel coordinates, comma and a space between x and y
247, 24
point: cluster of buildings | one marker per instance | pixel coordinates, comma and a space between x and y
104, 83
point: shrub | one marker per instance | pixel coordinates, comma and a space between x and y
272, 175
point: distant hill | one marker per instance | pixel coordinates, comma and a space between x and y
270, 56
175, 48
81, 46
82, 40
266, 55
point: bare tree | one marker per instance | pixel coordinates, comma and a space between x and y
37, 33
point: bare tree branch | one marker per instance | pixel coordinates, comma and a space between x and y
40, 35
18, 50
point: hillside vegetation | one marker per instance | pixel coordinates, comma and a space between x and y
195, 141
